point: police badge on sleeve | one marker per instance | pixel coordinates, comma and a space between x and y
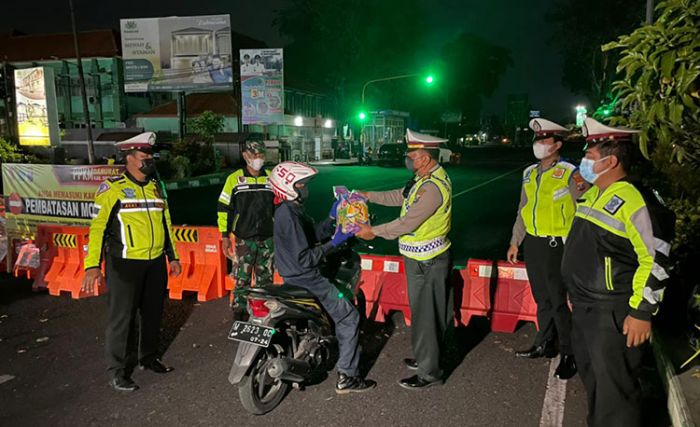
614, 205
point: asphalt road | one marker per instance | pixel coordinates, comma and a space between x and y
53, 347
485, 200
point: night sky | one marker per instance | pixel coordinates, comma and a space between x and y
516, 24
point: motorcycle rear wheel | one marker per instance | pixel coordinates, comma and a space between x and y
260, 393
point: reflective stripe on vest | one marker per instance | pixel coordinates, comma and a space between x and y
430, 238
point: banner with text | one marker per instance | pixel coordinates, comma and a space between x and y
57, 194
178, 53
262, 86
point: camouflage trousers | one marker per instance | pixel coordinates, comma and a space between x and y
253, 259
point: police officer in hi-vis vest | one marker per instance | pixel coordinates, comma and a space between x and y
422, 228
547, 207
615, 266
131, 231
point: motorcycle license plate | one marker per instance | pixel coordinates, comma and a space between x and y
253, 334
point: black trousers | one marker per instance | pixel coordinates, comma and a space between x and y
608, 368
136, 292
544, 272
345, 317
432, 304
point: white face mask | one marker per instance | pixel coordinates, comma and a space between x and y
541, 150
256, 164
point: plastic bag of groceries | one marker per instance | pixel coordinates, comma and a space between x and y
28, 256
351, 210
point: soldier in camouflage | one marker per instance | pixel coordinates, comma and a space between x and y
245, 210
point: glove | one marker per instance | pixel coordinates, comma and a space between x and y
339, 237
333, 213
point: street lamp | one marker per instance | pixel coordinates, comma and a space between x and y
429, 79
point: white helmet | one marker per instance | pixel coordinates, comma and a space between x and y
285, 175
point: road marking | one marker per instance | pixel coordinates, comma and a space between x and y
486, 182
554, 397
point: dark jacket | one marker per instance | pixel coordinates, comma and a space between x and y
300, 244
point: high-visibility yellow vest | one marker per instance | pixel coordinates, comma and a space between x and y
550, 209
430, 239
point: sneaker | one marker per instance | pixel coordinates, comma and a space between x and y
121, 383
347, 384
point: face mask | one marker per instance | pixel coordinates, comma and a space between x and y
256, 164
586, 169
409, 164
148, 167
541, 150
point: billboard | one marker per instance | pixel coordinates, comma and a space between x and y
190, 53
57, 194
262, 86
37, 115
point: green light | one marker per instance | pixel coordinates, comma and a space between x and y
362, 115
606, 112
340, 295
429, 80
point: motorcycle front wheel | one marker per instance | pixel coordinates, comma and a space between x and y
260, 393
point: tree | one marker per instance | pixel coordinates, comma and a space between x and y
473, 69
207, 125
580, 27
341, 44
659, 93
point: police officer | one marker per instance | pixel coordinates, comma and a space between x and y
422, 228
547, 206
245, 209
131, 231
614, 265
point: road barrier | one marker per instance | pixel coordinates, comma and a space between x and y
62, 256
513, 300
203, 263
502, 293
472, 287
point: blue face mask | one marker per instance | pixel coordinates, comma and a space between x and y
586, 169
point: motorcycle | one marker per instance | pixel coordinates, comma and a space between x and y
288, 339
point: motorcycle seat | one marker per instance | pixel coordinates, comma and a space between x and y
283, 291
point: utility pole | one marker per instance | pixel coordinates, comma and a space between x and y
83, 93
650, 12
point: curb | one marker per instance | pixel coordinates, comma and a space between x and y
677, 403
196, 182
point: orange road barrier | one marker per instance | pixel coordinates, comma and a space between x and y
472, 287
62, 255
203, 263
513, 301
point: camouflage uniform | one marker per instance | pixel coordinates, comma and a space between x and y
245, 209
253, 256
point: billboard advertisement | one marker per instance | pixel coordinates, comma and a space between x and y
190, 53
57, 194
37, 114
262, 86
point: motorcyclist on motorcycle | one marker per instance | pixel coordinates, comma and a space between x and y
300, 247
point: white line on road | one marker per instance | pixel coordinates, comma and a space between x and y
486, 182
554, 397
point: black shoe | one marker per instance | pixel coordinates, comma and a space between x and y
537, 351
415, 383
157, 367
347, 384
123, 384
566, 368
411, 364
